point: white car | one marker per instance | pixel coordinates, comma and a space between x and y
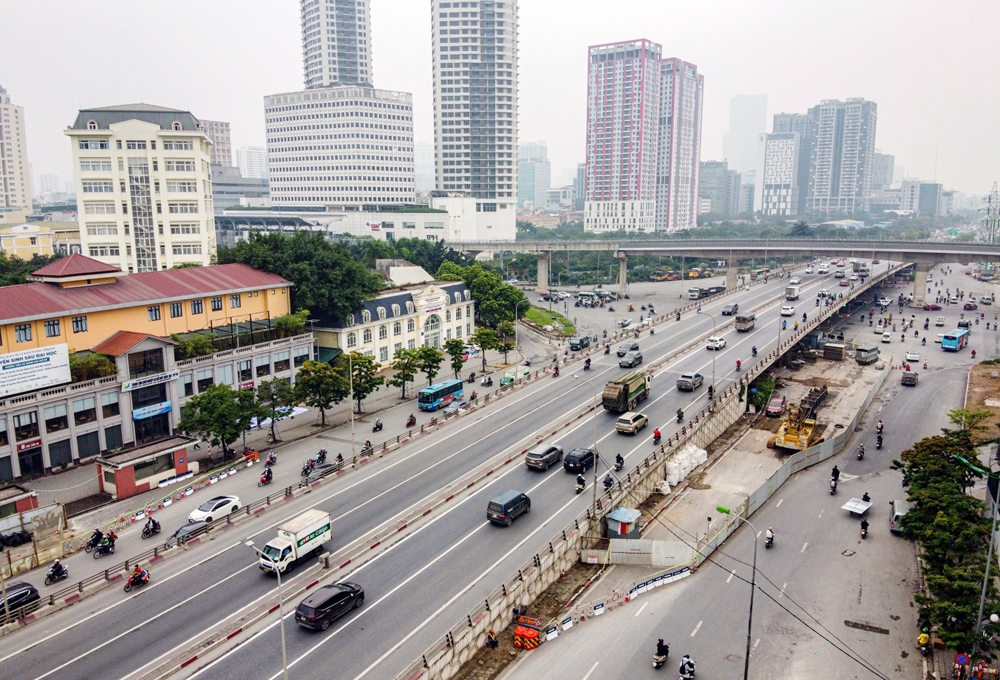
625, 323
563, 295
839, 274
823, 269
787, 310
939, 321
794, 281
715, 343
879, 330
986, 300
884, 302
214, 508
809, 269
887, 337
853, 277
913, 355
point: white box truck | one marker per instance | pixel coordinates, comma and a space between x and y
298, 538
791, 292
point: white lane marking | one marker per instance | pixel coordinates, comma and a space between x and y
821, 513
755, 644
641, 608
779, 503
132, 630
731, 575
759, 533
804, 547
596, 664
695, 631
782, 593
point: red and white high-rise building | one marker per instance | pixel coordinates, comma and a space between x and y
679, 150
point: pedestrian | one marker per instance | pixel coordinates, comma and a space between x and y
491, 640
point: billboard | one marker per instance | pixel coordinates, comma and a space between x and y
33, 369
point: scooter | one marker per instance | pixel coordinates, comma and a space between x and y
768, 541
472, 378
104, 549
488, 381
656, 440
864, 533
377, 427
680, 416
51, 578
134, 581
580, 487
586, 365
148, 531
271, 459
861, 453
878, 442
264, 480
555, 372
833, 486
411, 421
321, 457
607, 350
659, 660
92, 543
306, 468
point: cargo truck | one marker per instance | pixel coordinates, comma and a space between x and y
745, 322
622, 394
298, 539
791, 292
699, 293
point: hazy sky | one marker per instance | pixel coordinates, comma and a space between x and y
930, 66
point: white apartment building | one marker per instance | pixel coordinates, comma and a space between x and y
222, 144
143, 186
776, 187
15, 175
336, 42
623, 105
679, 145
843, 170
474, 59
341, 147
252, 162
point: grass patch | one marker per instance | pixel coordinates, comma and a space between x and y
544, 317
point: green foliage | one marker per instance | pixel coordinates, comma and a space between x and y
364, 375
486, 338
90, 365
291, 325
505, 332
192, 346
327, 278
496, 301
800, 230
427, 254
429, 362
765, 387
405, 365
14, 270
219, 415
318, 385
455, 348
275, 399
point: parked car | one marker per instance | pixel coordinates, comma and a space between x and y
214, 508
542, 456
931, 307
631, 422
730, 310
787, 310
626, 347
690, 381
327, 603
776, 406
970, 306
630, 360
579, 460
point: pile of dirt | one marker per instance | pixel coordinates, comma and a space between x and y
984, 390
488, 663
768, 424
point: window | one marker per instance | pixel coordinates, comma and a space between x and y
26, 426
60, 453
158, 465
109, 403
52, 328
149, 362
85, 410
88, 445
178, 145
217, 304
458, 332
263, 364
410, 325
22, 332
102, 230
205, 380
396, 347
397, 329
186, 248
381, 312
187, 385
113, 438
410, 344
409, 225
245, 372
95, 165
182, 208
98, 208
134, 144
383, 332
182, 187
352, 339
234, 301
383, 354
154, 312
395, 310
176, 310
175, 126
4, 441
185, 228
300, 355
366, 316
367, 335
458, 314
56, 418
92, 144
196, 307
447, 315
90, 187
433, 225
281, 361
226, 374
104, 251
178, 166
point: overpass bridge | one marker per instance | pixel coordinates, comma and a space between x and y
924, 254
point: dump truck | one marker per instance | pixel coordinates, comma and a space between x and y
791, 292
298, 539
811, 402
700, 293
796, 431
622, 394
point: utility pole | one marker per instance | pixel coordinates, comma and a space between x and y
991, 213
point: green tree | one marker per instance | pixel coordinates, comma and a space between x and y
486, 338
429, 361
405, 365
90, 365
496, 301
275, 398
318, 385
291, 325
455, 348
507, 336
969, 420
219, 415
800, 230
192, 346
14, 270
326, 277
364, 372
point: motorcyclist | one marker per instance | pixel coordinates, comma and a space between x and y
923, 640
368, 445
140, 574
580, 481
769, 535
608, 481
412, 420
555, 372
586, 362
340, 458
619, 461
111, 537
739, 364
607, 349
680, 414
686, 669
864, 525
865, 497
835, 475
378, 423
154, 526
662, 648
861, 449
656, 434
57, 569
804, 317
753, 350
880, 426
268, 474
271, 458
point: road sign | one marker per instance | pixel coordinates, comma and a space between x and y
962, 659
981, 665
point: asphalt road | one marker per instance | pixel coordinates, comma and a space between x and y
417, 589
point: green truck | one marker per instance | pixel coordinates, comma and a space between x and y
622, 394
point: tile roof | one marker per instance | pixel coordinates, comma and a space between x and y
388, 299
122, 341
30, 301
74, 265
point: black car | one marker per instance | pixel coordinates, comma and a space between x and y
627, 347
630, 360
577, 343
19, 596
729, 310
578, 460
328, 603
190, 530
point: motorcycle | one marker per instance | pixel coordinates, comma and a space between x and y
678, 316
104, 549
659, 660
94, 541
555, 372
51, 577
264, 480
861, 453
271, 459
586, 365
148, 531
306, 469
753, 351
377, 427
864, 533
607, 350
488, 381
768, 542
321, 457
656, 440
878, 442
680, 416
472, 378
411, 421
833, 486
652, 331
580, 487
135, 580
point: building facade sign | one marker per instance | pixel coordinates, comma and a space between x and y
30, 444
149, 380
151, 410
33, 369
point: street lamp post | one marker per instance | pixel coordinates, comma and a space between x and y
753, 586
596, 457
350, 377
281, 610
525, 301
714, 351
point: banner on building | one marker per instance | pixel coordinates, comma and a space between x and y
34, 369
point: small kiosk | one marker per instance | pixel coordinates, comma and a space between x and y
138, 470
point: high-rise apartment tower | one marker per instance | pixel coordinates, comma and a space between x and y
336, 42
843, 167
15, 175
679, 145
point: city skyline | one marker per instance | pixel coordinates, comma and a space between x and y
946, 138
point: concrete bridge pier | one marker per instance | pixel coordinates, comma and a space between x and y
920, 283
732, 272
622, 273
544, 258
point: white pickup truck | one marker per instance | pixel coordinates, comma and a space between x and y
298, 538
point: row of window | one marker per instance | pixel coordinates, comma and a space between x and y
177, 308
246, 371
56, 417
138, 145
104, 165
108, 187
366, 315
397, 330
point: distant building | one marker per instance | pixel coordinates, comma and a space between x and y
26, 240
336, 43
230, 189
15, 173
423, 167
843, 169
560, 198
909, 195
776, 186
252, 162
884, 166
929, 204
579, 185
49, 183
222, 145
704, 206
806, 125
745, 192
534, 174
716, 184
678, 145
747, 119
884, 200
143, 185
